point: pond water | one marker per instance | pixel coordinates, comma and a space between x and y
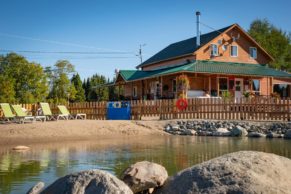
21, 170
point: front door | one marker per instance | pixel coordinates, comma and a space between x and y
238, 88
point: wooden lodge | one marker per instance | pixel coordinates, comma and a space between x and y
227, 61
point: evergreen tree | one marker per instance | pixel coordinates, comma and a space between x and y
276, 42
80, 92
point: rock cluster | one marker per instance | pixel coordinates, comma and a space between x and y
239, 172
230, 128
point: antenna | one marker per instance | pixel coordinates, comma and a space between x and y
140, 52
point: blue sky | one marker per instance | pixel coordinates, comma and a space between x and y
119, 26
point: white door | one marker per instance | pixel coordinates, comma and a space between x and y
238, 88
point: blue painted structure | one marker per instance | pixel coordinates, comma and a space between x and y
118, 111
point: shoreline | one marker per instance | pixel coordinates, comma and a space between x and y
76, 130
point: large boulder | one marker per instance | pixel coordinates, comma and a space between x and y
287, 135
144, 175
239, 131
88, 182
36, 189
239, 172
221, 132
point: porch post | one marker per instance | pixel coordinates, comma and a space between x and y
209, 85
118, 91
161, 87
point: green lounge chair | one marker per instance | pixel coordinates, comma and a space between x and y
66, 113
7, 112
21, 115
46, 111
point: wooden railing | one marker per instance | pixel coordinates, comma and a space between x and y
257, 109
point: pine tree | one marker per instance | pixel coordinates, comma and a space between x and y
80, 93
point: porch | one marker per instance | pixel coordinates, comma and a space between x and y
204, 79
200, 86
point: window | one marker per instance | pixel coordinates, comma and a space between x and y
174, 85
223, 85
253, 52
282, 89
214, 50
233, 51
134, 91
256, 86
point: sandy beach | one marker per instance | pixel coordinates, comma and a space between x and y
56, 131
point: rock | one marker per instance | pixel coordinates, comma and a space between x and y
36, 189
88, 182
256, 134
239, 172
221, 132
168, 128
239, 131
20, 148
176, 127
287, 135
144, 175
274, 135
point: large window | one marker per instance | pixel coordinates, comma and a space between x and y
282, 89
223, 85
214, 50
256, 86
234, 51
253, 52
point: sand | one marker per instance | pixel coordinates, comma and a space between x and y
57, 131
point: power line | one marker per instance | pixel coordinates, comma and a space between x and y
62, 52
59, 42
211, 27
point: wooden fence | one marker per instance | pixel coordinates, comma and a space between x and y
257, 109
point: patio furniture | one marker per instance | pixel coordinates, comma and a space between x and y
7, 112
46, 111
66, 113
21, 115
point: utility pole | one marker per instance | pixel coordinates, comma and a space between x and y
140, 52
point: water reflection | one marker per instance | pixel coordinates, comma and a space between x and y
19, 171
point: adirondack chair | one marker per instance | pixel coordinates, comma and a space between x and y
65, 112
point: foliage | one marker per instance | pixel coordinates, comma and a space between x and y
97, 93
7, 92
183, 82
276, 42
21, 81
80, 92
226, 95
61, 88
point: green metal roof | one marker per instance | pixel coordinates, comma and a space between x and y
182, 48
229, 68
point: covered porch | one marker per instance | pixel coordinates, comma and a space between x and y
204, 79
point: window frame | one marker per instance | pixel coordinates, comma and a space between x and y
227, 85
211, 50
256, 92
250, 53
231, 46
